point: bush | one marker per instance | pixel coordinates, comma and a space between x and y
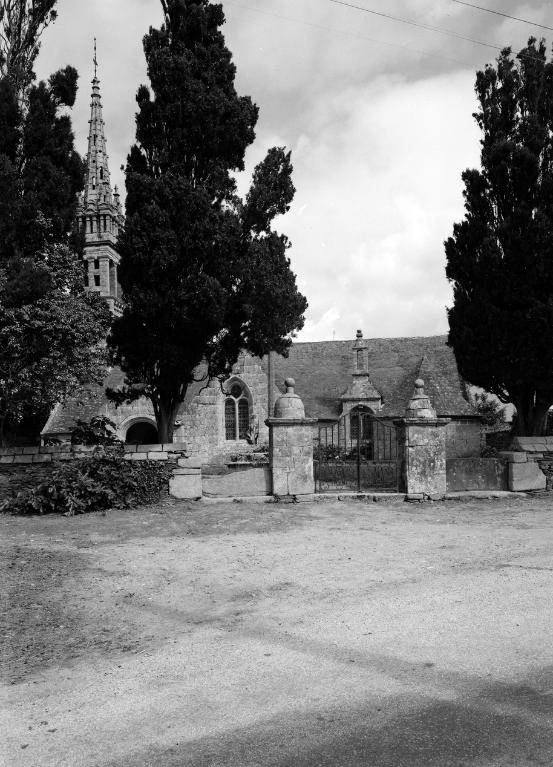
93, 484
100, 430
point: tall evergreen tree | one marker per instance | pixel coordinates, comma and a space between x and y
22, 23
50, 330
203, 274
500, 258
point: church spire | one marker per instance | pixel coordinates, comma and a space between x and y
98, 186
99, 213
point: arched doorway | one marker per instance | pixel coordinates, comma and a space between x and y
142, 433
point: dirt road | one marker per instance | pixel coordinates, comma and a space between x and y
297, 635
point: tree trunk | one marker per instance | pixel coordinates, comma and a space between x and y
531, 417
539, 422
2, 431
166, 412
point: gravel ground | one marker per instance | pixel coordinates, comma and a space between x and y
382, 635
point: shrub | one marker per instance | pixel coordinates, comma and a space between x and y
100, 430
93, 484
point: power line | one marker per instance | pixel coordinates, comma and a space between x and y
505, 15
418, 24
348, 33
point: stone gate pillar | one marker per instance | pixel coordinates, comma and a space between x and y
422, 448
291, 445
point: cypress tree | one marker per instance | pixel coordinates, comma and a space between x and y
203, 273
500, 258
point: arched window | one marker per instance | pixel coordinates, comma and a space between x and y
237, 412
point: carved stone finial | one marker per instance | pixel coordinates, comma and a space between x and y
359, 334
289, 405
420, 405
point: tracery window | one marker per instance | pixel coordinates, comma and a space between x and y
237, 412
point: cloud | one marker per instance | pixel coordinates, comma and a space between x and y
378, 180
378, 117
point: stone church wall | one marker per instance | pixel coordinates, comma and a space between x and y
203, 421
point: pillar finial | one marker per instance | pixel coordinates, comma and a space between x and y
420, 405
95, 60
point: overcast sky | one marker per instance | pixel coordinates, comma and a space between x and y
378, 115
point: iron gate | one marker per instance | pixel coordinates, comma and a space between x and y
358, 452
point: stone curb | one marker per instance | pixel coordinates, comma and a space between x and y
373, 497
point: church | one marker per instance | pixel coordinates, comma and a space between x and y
334, 378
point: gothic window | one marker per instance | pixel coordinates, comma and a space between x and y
95, 139
105, 223
237, 412
97, 280
230, 419
96, 263
243, 418
101, 174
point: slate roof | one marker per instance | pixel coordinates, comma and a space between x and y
322, 371
91, 400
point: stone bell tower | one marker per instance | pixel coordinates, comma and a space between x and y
361, 392
99, 213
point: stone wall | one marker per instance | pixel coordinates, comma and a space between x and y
23, 468
203, 427
242, 482
463, 438
538, 450
476, 474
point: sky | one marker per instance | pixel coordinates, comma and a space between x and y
377, 115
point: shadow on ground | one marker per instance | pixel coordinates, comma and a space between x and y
499, 725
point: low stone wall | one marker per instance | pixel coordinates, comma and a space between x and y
476, 474
546, 465
463, 438
245, 481
539, 451
22, 468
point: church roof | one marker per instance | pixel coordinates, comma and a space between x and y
322, 371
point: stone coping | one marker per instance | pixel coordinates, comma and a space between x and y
68, 452
291, 421
422, 421
533, 444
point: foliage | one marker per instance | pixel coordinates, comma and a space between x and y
327, 453
489, 451
203, 273
22, 23
92, 484
51, 345
100, 430
255, 458
51, 331
40, 175
500, 258
490, 410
